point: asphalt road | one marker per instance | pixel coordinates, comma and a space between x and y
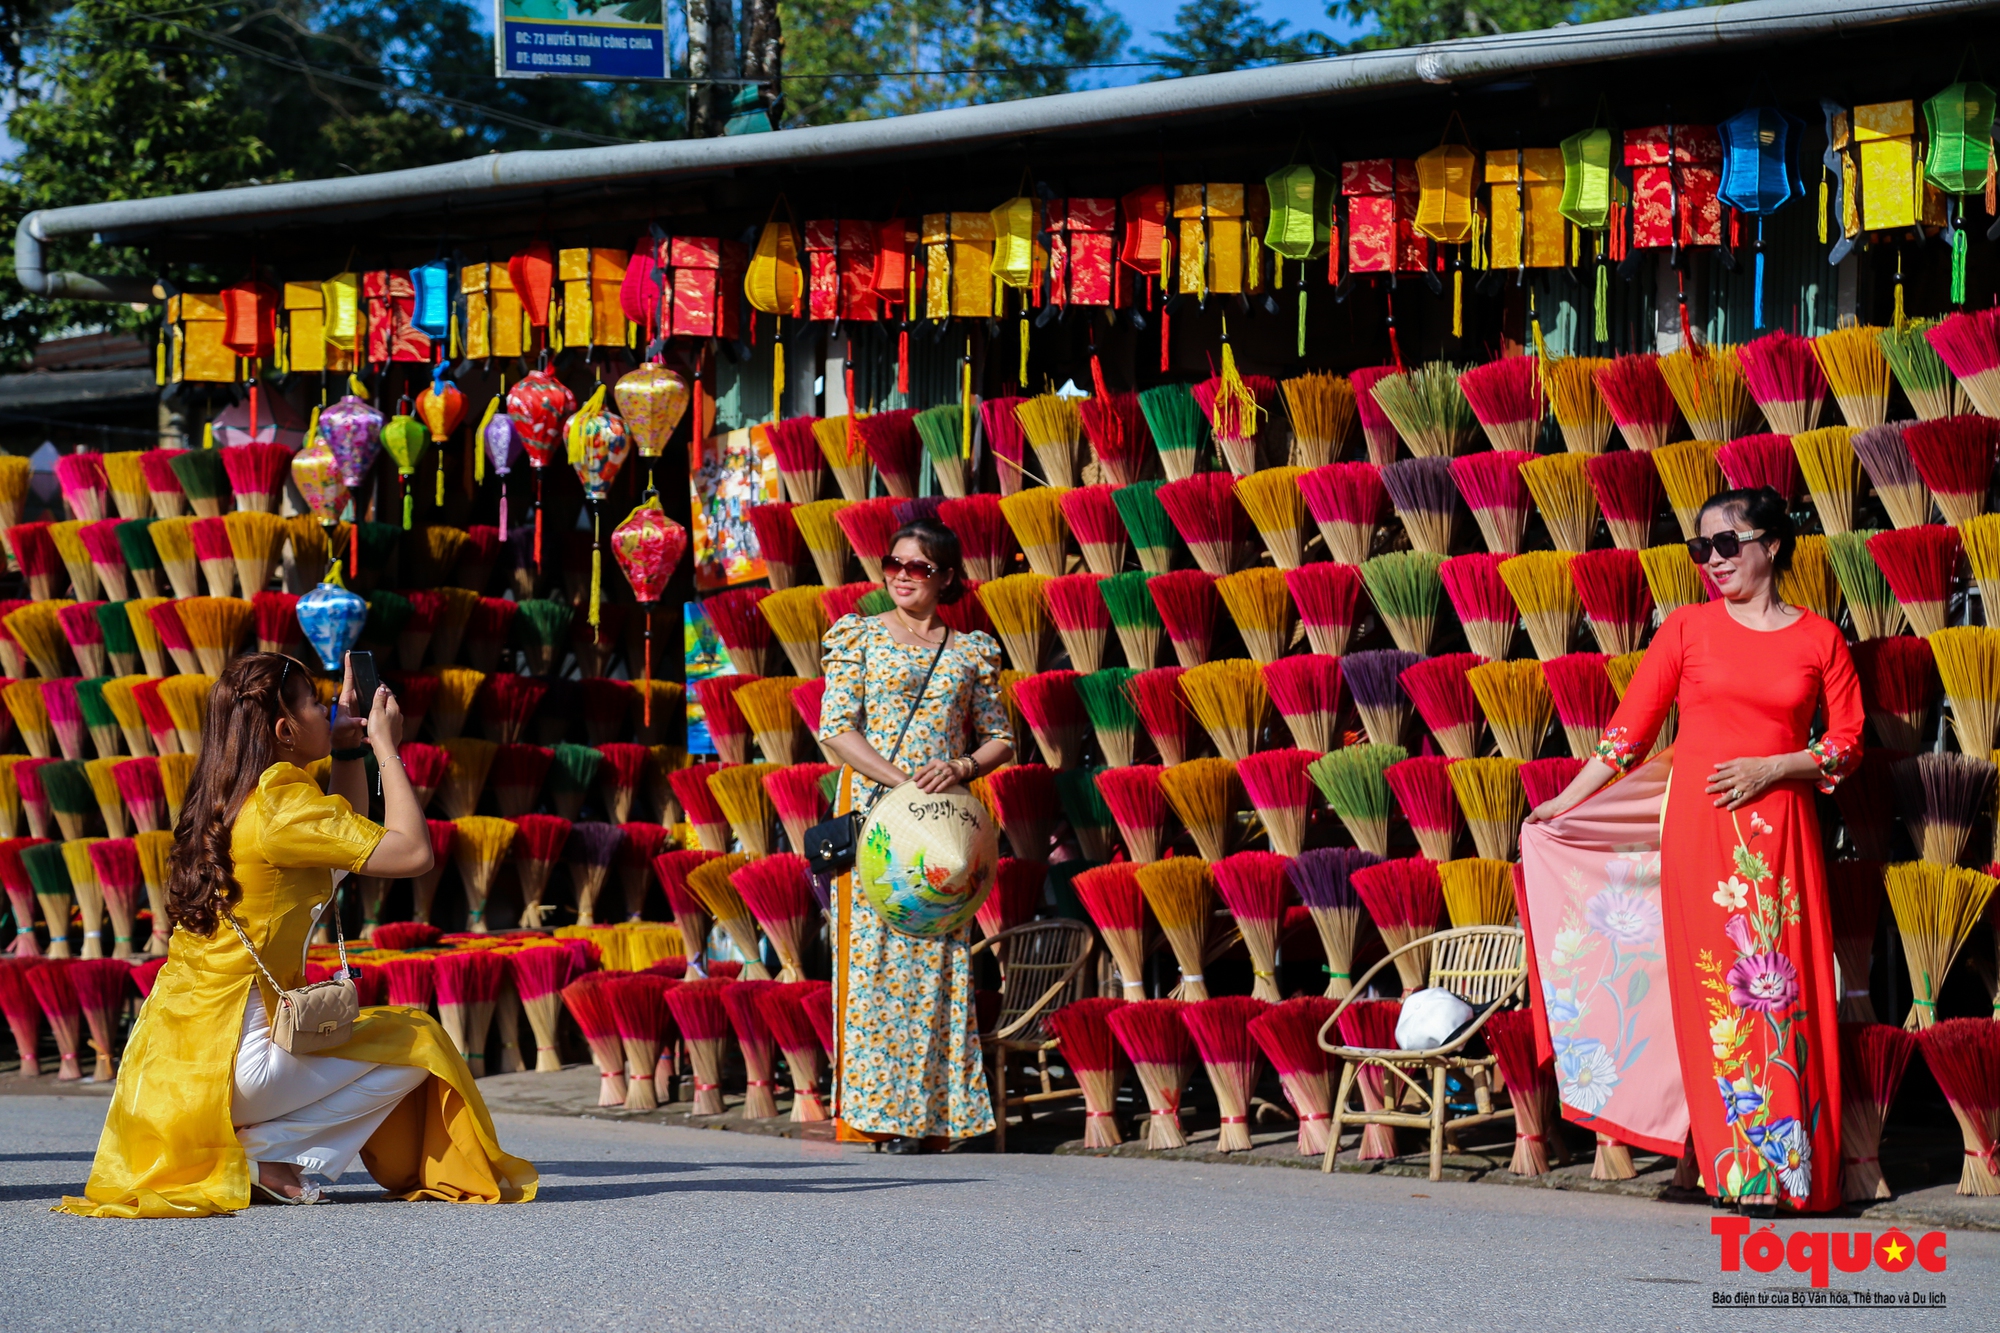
643, 1226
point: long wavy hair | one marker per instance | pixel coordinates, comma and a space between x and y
238, 742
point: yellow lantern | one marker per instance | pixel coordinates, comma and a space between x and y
1015, 224
1445, 179
1885, 133
1527, 207
775, 280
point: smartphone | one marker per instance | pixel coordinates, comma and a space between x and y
366, 681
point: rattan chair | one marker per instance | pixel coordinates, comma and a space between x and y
1042, 968
1484, 965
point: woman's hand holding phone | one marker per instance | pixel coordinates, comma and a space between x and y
350, 728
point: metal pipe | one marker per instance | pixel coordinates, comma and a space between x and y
1679, 32
62, 284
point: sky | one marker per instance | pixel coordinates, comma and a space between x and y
1145, 17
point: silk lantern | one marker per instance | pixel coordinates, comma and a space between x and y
405, 439
441, 408
317, 475
1760, 175
598, 444
648, 547
1301, 223
431, 309
652, 400
539, 405
332, 618
500, 442
1959, 125
533, 273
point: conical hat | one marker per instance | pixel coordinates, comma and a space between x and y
926, 861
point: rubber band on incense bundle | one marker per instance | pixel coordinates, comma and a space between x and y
538, 406
648, 546
598, 443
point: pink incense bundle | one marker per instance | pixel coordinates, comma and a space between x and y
1253, 887
985, 538
506, 705
1544, 779
1628, 490
1750, 461
870, 526
800, 462
1429, 803
778, 891
1955, 457
173, 636
65, 712
1139, 807
1506, 398
588, 1000
1612, 586
1156, 698
1491, 485
740, 1000
1444, 699
1376, 428
1919, 564
1306, 692
1785, 379
1155, 1040
101, 985
894, 447
1221, 1032
968, 615
23, 1011
276, 615
779, 543
84, 634
1083, 1032
1639, 399
54, 989
1482, 601
1348, 502
413, 640
257, 473
20, 896
1404, 899
539, 975
486, 631
107, 557
745, 633
782, 1008
115, 862
468, 991
711, 826
1288, 1034
1237, 433
411, 982
1118, 434
397, 936
1099, 531
1370, 1025
1281, 793
1873, 1058
704, 1025
1964, 1057
216, 553
799, 799
162, 485
1018, 888
1111, 895
1899, 684
689, 913
36, 556
425, 765
806, 700
1584, 699
1325, 595
1531, 1088
1055, 714
639, 1011
1028, 808
1211, 520
84, 485
1081, 617
727, 727
1189, 608
1969, 346
34, 801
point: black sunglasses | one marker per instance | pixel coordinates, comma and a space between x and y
1728, 545
921, 570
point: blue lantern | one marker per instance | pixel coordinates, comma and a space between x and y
332, 618
433, 304
1760, 173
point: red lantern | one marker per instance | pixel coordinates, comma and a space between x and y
648, 546
538, 407
533, 272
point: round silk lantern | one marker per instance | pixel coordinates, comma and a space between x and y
331, 617
317, 475
652, 399
597, 449
926, 861
648, 546
441, 408
353, 431
539, 405
500, 442
406, 439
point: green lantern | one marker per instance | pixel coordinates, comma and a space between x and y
405, 438
1301, 223
1586, 198
1959, 122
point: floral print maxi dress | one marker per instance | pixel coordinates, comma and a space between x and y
906, 1057
1749, 943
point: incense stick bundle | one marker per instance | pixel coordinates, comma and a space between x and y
138, 785
1955, 457
1407, 589
36, 556
1156, 1041
1353, 782
745, 634
801, 464
1426, 500
1016, 896
23, 1010
1005, 437
1154, 540
1019, 614
1873, 1057
468, 990
186, 700
1580, 689
1429, 410
778, 891
1936, 908
1639, 400
1181, 894
1116, 429
539, 841
1490, 793
841, 445
210, 538
75, 556
1325, 595
1854, 901
1672, 578
1156, 698
784, 1010
1211, 520
1378, 430
1506, 399
1187, 604
1919, 565
1920, 372
571, 774
1139, 808
1969, 345
1347, 501
81, 630
539, 974
1690, 473
1785, 380
588, 1000
826, 538
1761, 460
30, 712
1981, 539
142, 557
256, 541
1206, 794
1092, 516
1374, 681
984, 537
1832, 472
54, 990
1077, 608
1321, 410
1542, 587
1611, 585
107, 557
1884, 451
766, 708
1288, 1035
217, 627
84, 484
1277, 507
1404, 899
1092, 1053
1809, 581
1281, 793
1531, 1088
894, 447
1576, 403
1964, 1056
739, 790
1942, 797
1028, 808
1424, 794
1853, 363
1261, 605
1484, 606
37, 628
799, 623
1371, 1025
1117, 907
1054, 430
1055, 714
1493, 490
779, 543
1237, 420
1110, 712
1478, 892
1968, 663
1709, 387
1560, 484
1305, 691
1438, 688
1221, 1032
741, 1002
1037, 520
172, 635
125, 479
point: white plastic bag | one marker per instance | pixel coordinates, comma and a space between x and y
1429, 1018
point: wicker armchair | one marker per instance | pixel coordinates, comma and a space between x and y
1483, 965
1042, 968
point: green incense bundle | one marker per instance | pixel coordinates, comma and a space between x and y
571, 774
1154, 537
379, 544
97, 715
67, 785
540, 626
1111, 713
1870, 603
1083, 805
942, 429
1352, 781
1179, 428
48, 872
388, 612
1429, 410
203, 478
1406, 589
119, 645
142, 558
874, 602
829, 787
1134, 615
1917, 367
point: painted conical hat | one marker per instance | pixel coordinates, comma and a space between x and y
926, 861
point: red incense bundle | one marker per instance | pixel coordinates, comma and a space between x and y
778, 891
1376, 428
753, 1039
1969, 346
1155, 1040
397, 936
800, 462
468, 991
1492, 488
65, 714
411, 982
506, 705
806, 700
538, 845
704, 1025
1348, 502
1612, 586
1117, 432
1281, 793
1506, 398
1370, 1025
216, 553
894, 447
153, 711
870, 525
779, 543
639, 1012
745, 633
1899, 687
85, 636
1306, 692
101, 986
984, 535
798, 797
539, 975
84, 485
588, 999
425, 765
1099, 531
1484, 605
1253, 887
115, 862
1139, 807
1639, 399
1429, 804
35, 555
1083, 1031
618, 778
783, 1011
1531, 1088
1955, 457
23, 1011
1018, 887
1156, 698
689, 913
416, 692
968, 615
1629, 494
276, 615
1584, 699
257, 473
162, 485
1785, 379
727, 727
640, 845
1288, 1034
1404, 899
1221, 1032
107, 557
1081, 617
1444, 699
1205, 512
1028, 808
1055, 714
516, 777
1873, 1058
1964, 1057
1750, 461
1919, 565
1117, 907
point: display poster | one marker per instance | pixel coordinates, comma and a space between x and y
580, 39
703, 654
727, 474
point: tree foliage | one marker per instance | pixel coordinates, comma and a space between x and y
1393, 23
1210, 36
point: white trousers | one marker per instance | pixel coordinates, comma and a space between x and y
314, 1111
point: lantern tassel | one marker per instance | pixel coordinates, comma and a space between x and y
1166, 340
1899, 292
409, 500
208, 435
902, 366
354, 545
1024, 351
777, 378
1757, 284
312, 424
1235, 405
965, 395
1457, 306
538, 520
1302, 321
503, 504
1958, 249
440, 477
1824, 205
596, 567
647, 669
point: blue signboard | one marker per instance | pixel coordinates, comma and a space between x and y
580, 39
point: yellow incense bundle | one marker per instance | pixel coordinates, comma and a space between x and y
1560, 484
154, 849
479, 849
76, 559
1518, 706
456, 688
1320, 407
1968, 665
1478, 892
845, 454
799, 622
825, 538
468, 762
255, 541
1709, 388
1981, 539
38, 630
110, 804
217, 626
308, 552
175, 544
1858, 373
186, 699
1228, 698
1542, 589
1490, 794
1690, 474
709, 882
1810, 581
1053, 426
1206, 794
1671, 577
1036, 517
31, 717
1014, 604
1936, 909
126, 477
1260, 604
1579, 409
1832, 471
775, 724
1181, 894
124, 706
176, 775
1277, 506
739, 790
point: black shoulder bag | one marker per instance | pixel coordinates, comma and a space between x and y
829, 848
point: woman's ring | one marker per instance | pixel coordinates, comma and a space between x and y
1735, 794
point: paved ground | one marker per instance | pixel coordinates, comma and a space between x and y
652, 1226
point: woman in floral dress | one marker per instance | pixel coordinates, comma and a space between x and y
907, 1066
1748, 940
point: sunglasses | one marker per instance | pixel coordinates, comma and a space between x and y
921, 570
1728, 545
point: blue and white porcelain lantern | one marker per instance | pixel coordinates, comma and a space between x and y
332, 618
